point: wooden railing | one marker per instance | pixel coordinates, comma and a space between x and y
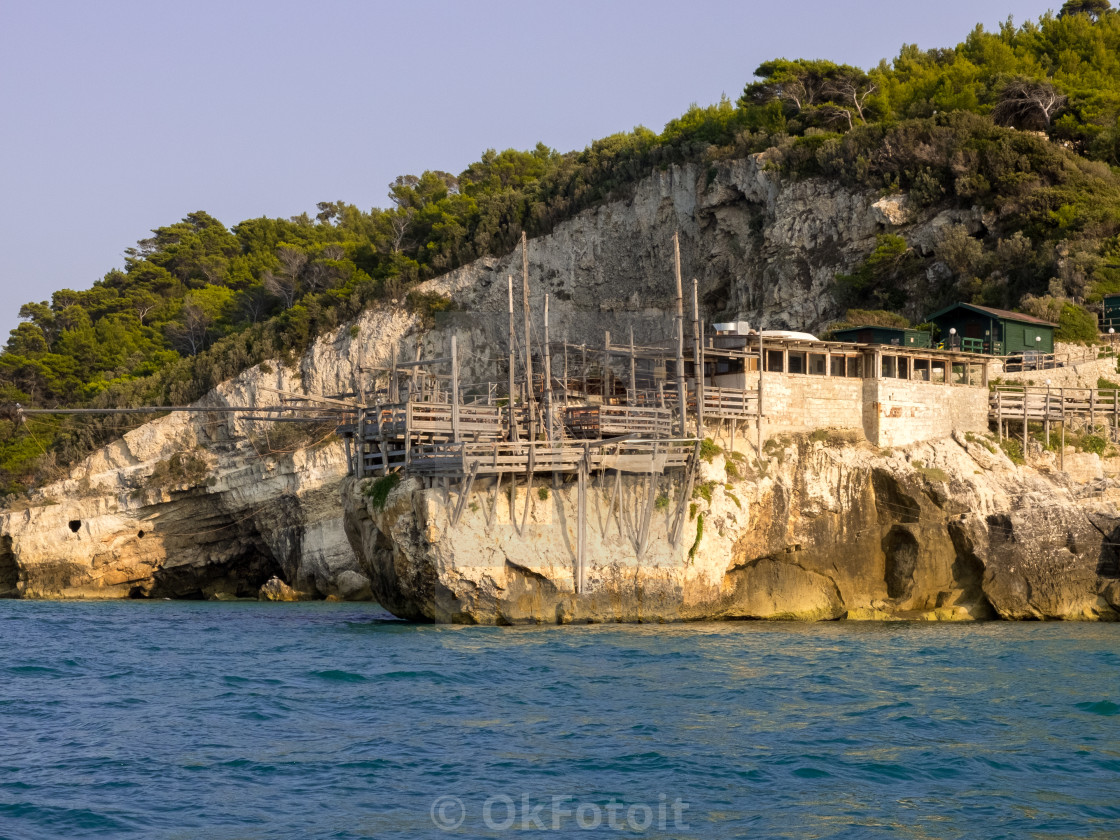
727, 402
601, 421
1097, 405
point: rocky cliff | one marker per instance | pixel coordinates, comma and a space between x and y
821, 527
212, 507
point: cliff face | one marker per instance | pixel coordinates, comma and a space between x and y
819, 529
763, 248
210, 506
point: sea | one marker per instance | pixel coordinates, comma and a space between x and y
246, 720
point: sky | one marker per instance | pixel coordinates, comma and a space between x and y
118, 117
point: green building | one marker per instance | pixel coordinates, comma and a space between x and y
883, 335
997, 332
1111, 315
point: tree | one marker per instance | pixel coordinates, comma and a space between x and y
1028, 103
835, 93
1092, 8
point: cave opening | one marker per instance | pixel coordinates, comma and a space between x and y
75, 525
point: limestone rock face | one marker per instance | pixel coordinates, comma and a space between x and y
205, 506
211, 506
945, 530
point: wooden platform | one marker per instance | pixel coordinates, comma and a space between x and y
459, 459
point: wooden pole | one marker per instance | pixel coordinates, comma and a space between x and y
1046, 418
999, 415
528, 342
547, 376
360, 445
394, 391
698, 359
761, 366
454, 390
1024, 421
681, 394
512, 369
1062, 456
633, 371
583, 349
565, 371
606, 364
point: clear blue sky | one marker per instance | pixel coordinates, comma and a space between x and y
117, 117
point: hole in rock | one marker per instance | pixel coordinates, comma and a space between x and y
75, 525
140, 535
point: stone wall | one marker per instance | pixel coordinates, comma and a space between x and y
1076, 375
887, 412
899, 412
797, 403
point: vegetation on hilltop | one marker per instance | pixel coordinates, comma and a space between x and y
1023, 122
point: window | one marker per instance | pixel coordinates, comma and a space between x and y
798, 362
890, 367
854, 366
774, 361
921, 370
837, 365
817, 364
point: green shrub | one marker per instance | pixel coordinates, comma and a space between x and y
542, 493
1076, 325
709, 449
1013, 449
181, 468
379, 489
699, 536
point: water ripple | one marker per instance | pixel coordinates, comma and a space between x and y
172, 720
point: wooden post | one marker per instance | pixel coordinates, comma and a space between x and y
454, 390
360, 447
565, 371
512, 368
761, 367
633, 371
581, 521
606, 364
547, 376
583, 349
1046, 418
999, 415
394, 390
698, 359
528, 342
1024, 421
1062, 455
682, 395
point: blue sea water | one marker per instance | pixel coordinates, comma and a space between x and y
244, 720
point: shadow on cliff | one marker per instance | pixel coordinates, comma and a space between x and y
9, 571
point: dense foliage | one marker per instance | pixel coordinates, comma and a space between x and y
1023, 123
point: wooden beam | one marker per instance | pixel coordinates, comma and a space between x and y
512, 369
682, 395
547, 376
528, 341
454, 389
